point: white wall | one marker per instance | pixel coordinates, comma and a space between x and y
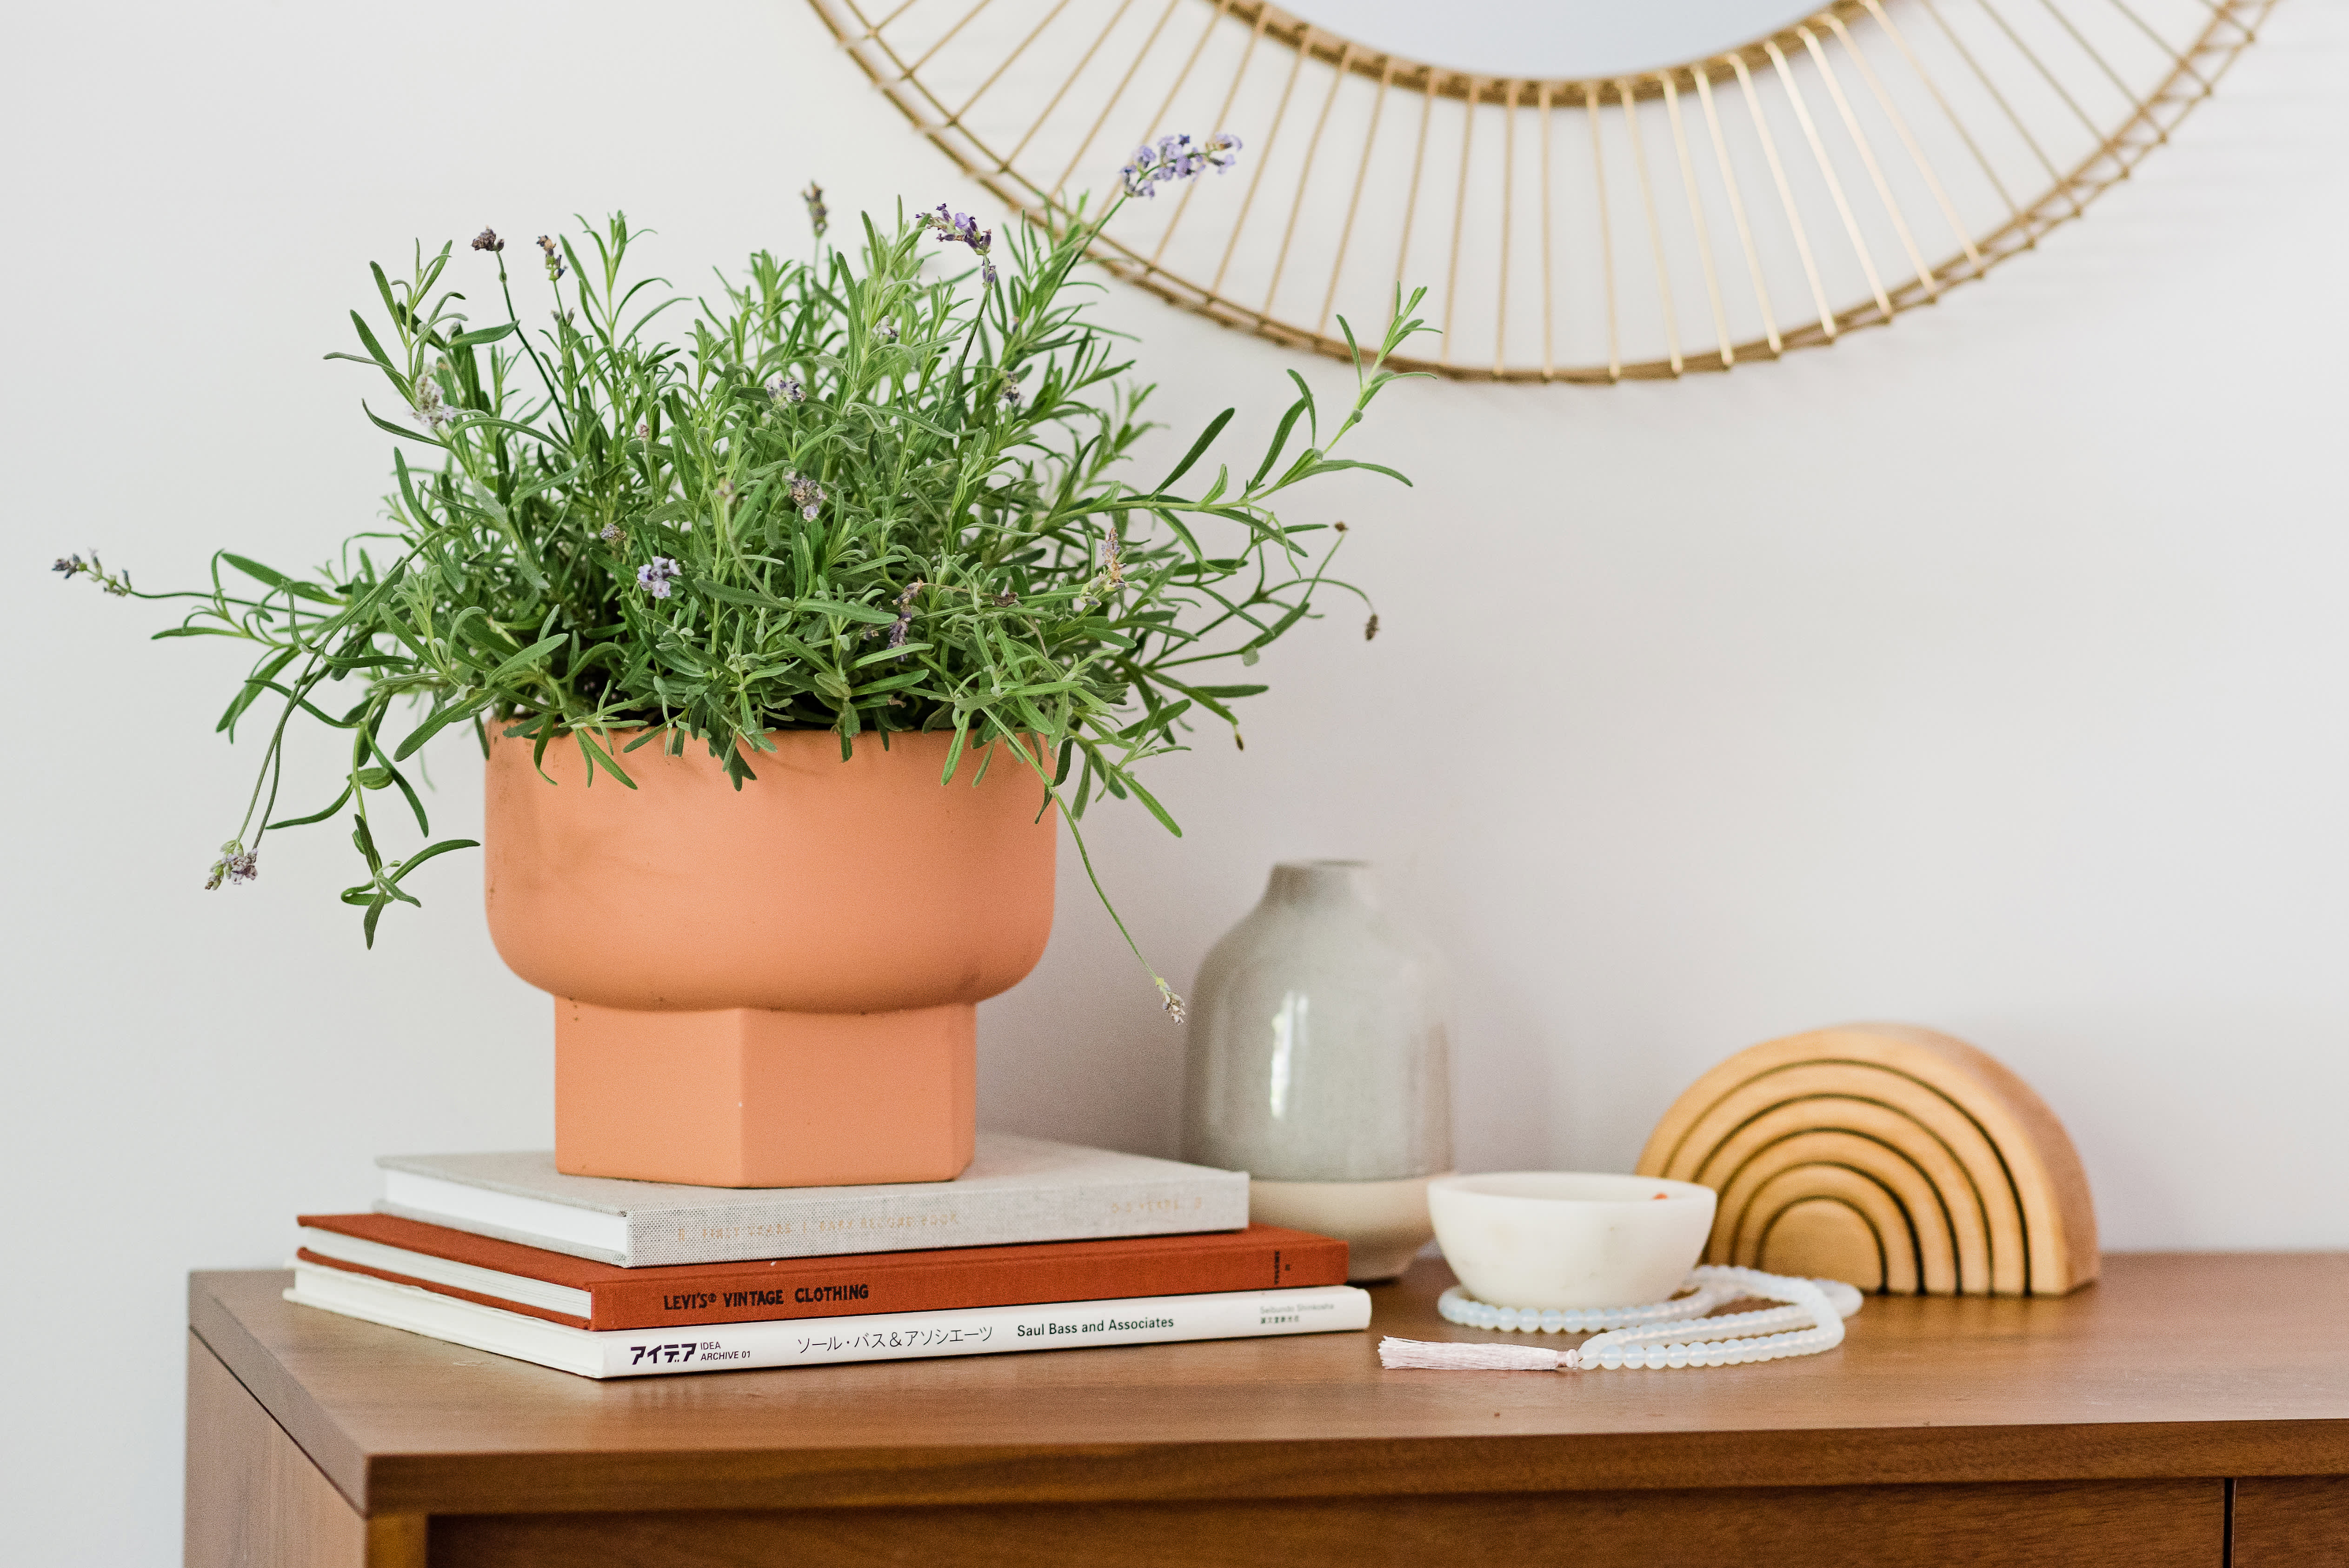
1987, 672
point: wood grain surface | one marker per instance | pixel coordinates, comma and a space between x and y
2093, 1386
2102, 1385
2292, 1521
2083, 1525
255, 1500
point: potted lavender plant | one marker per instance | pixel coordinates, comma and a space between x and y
724, 607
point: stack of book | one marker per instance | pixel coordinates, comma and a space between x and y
1038, 1247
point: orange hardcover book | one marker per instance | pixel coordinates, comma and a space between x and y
583, 1294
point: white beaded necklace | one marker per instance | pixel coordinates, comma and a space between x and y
1674, 1333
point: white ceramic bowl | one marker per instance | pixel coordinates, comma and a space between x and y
1564, 1238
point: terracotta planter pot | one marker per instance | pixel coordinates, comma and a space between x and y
775, 986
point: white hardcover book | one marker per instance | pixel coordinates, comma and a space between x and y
815, 1342
1017, 1190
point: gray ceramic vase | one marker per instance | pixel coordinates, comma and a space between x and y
1319, 1065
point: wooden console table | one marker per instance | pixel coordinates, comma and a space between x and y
2190, 1408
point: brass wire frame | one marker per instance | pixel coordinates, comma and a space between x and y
2196, 66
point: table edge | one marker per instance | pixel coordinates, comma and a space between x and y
216, 1328
612, 1480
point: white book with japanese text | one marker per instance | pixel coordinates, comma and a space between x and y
811, 1342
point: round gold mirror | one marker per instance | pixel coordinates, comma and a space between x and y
1591, 190
1557, 40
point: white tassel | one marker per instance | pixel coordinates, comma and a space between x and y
1446, 1357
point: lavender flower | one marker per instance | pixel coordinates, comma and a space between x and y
806, 494
1113, 558
1370, 627
654, 576
818, 214
1110, 575
610, 533
1168, 999
487, 240
885, 332
553, 258
236, 866
962, 228
786, 389
898, 627
430, 411
73, 566
1177, 157
1012, 395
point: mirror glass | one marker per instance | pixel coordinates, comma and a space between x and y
1553, 38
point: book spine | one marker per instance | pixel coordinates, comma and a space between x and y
827, 1287
893, 1337
841, 1223
985, 1331
306, 1258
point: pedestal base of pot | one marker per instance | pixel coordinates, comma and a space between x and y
1383, 1223
748, 1097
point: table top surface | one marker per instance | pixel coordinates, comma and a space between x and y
2173, 1365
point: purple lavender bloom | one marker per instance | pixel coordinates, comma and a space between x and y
806, 494
654, 576
1177, 157
962, 228
115, 582
236, 866
905, 621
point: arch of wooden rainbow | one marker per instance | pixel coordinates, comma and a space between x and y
1886, 1152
